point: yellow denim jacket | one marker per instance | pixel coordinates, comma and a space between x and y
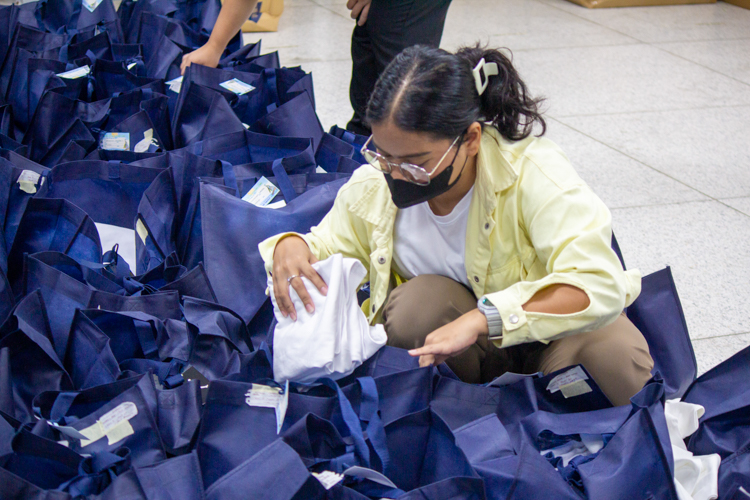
532, 223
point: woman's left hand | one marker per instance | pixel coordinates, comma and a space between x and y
452, 339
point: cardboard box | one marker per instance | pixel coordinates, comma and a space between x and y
265, 18
602, 4
740, 3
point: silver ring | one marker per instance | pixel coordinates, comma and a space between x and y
290, 278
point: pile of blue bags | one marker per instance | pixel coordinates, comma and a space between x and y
155, 381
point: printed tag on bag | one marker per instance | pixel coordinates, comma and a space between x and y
237, 86
27, 181
115, 141
262, 193
76, 73
264, 396
114, 425
328, 479
91, 5
175, 85
569, 377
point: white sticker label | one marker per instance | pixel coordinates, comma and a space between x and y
328, 479
140, 228
575, 389
320, 170
175, 85
264, 396
120, 413
262, 193
131, 65
148, 140
237, 86
27, 181
569, 377
75, 73
116, 141
91, 5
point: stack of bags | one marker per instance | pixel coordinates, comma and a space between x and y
133, 318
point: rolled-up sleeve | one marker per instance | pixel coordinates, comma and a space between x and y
570, 229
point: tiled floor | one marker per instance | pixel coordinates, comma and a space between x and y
652, 105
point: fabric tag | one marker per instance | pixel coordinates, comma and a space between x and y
91, 5
114, 425
148, 139
262, 193
76, 73
140, 228
569, 377
237, 86
175, 85
328, 479
27, 181
370, 474
116, 141
264, 396
575, 389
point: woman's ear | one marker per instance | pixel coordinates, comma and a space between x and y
473, 139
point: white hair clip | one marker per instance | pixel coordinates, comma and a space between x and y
489, 69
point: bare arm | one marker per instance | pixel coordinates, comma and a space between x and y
233, 15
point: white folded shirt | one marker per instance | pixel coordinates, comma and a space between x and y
336, 338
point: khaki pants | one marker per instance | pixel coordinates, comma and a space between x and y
616, 356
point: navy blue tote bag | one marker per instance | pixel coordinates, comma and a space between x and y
202, 113
108, 417
722, 391
28, 361
235, 267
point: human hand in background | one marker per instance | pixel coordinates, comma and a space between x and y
293, 259
360, 9
208, 55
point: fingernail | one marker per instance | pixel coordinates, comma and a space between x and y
294, 317
309, 308
284, 313
324, 290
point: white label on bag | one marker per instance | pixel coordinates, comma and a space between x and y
131, 66
114, 425
278, 204
175, 85
328, 479
261, 193
116, 141
575, 389
140, 228
320, 170
237, 86
27, 181
264, 396
569, 377
247, 127
75, 73
91, 5
148, 140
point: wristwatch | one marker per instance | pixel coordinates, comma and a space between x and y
494, 321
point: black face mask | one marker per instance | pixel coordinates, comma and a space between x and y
406, 194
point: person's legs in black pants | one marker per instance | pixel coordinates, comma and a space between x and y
392, 26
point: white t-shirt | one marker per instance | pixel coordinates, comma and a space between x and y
425, 243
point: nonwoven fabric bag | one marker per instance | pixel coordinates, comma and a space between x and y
333, 340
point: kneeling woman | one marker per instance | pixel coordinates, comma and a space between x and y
484, 248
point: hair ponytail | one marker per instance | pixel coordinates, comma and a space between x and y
505, 103
430, 90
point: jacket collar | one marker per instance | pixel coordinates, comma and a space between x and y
494, 172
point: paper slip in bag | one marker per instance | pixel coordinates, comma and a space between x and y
336, 338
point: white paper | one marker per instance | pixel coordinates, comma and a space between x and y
370, 474
237, 86
320, 170
91, 5
569, 377
278, 204
140, 229
261, 193
265, 396
116, 141
131, 65
328, 479
75, 73
148, 140
27, 181
175, 85
121, 412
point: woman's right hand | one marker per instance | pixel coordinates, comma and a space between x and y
208, 55
292, 257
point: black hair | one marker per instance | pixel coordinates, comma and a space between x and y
425, 89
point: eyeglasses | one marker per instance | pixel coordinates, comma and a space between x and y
412, 173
